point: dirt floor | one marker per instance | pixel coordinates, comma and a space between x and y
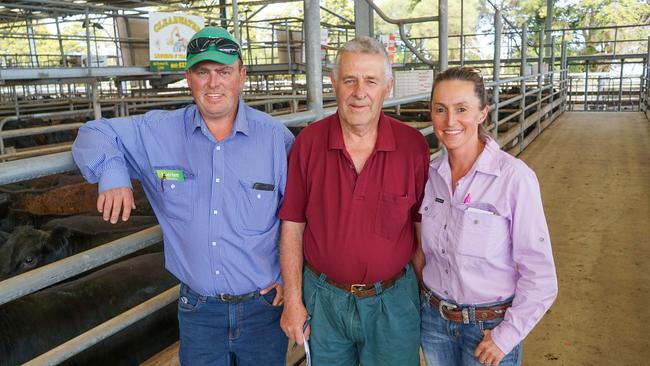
594, 171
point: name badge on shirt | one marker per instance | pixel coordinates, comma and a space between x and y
440, 200
171, 174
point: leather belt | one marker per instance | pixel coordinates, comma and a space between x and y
459, 314
360, 290
237, 298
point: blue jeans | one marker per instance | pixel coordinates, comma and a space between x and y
450, 343
218, 333
382, 330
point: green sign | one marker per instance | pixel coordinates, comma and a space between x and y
167, 65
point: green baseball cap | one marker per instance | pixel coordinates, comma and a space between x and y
212, 44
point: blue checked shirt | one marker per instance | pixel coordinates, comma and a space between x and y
218, 216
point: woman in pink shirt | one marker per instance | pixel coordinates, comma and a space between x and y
485, 258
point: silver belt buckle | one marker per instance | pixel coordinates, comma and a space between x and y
447, 305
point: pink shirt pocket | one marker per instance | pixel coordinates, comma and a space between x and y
480, 231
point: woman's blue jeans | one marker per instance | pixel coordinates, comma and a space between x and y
449, 343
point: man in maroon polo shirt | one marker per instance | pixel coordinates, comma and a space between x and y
355, 183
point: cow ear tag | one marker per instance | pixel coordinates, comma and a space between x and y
169, 174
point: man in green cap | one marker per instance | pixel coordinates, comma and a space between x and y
214, 173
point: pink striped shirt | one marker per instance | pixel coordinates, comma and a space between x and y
488, 241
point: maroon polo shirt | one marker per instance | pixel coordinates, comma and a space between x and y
359, 227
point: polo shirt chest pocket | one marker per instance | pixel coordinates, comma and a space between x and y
392, 214
257, 205
482, 232
176, 194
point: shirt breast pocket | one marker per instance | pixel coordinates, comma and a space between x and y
432, 224
483, 232
257, 206
392, 215
176, 195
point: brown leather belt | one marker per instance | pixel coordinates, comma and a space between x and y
360, 290
459, 314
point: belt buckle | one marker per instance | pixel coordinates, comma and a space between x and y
446, 305
226, 297
357, 287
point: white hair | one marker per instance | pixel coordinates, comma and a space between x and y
367, 45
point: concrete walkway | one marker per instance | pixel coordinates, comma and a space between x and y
594, 171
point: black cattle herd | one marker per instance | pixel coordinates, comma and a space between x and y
31, 237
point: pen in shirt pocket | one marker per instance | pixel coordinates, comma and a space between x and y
467, 199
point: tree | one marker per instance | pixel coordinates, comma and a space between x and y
425, 34
15, 46
579, 14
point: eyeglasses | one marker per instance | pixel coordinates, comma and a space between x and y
223, 45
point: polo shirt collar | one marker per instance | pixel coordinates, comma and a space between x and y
241, 120
385, 137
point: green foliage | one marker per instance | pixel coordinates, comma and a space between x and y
426, 34
14, 44
576, 14
343, 8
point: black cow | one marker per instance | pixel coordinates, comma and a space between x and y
39, 139
17, 217
36, 323
5, 208
28, 248
3, 237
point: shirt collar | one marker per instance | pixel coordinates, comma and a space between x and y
487, 162
241, 120
385, 137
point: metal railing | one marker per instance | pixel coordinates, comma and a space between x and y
605, 93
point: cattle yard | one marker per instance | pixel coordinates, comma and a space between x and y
76, 290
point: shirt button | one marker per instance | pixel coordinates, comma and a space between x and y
217, 272
446, 271
215, 212
218, 147
444, 227
172, 186
214, 243
259, 196
443, 251
217, 180
446, 293
475, 222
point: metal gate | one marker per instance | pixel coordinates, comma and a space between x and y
604, 92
